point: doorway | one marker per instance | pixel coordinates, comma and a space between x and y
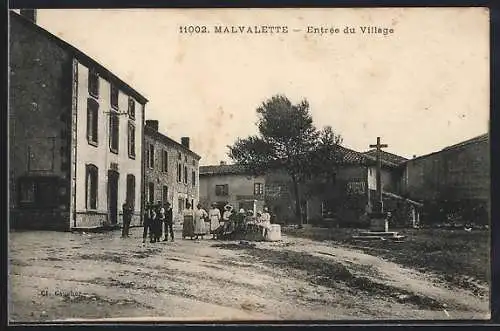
113, 196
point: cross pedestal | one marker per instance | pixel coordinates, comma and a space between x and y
378, 219
379, 222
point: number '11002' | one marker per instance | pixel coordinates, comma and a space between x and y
193, 29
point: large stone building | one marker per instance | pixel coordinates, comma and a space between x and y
76, 133
171, 170
455, 179
231, 184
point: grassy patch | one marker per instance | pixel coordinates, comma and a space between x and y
454, 254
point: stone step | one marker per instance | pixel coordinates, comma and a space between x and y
379, 233
393, 239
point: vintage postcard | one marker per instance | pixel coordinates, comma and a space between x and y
249, 164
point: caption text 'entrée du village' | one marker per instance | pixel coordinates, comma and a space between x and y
283, 29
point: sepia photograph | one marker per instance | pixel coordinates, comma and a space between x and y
220, 165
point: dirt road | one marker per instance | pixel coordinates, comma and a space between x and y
64, 276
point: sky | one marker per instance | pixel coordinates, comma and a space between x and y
421, 88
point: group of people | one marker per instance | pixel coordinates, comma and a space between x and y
158, 221
198, 222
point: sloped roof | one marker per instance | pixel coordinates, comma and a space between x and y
161, 137
386, 156
222, 169
82, 57
350, 157
481, 138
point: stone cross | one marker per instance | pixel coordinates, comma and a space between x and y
378, 201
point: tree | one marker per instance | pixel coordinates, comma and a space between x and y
287, 140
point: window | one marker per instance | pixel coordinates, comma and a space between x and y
131, 189
114, 123
114, 96
185, 174
131, 108
180, 205
39, 192
185, 159
151, 156
93, 83
258, 189
164, 159
151, 192
222, 190
165, 194
194, 163
131, 140
27, 191
179, 156
193, 178
92, 120
91, 187
179, 172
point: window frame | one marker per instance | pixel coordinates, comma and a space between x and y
131, 140
151, 156
151, 192
179, 172
225, 190
130, 195
131, 108
114, 90
164, 161
93, 108
258, 189
89, 169
113, 115
91, 74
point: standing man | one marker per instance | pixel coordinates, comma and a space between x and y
168, 223
149, 218
127, 218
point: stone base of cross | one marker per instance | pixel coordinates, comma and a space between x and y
378, 219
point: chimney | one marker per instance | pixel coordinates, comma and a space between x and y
185, 142
30, 14
222, 162
153, 124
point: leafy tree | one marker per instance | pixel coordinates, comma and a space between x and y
287, 140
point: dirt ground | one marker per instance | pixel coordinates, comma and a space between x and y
75, 276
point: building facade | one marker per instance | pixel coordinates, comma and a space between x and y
75, 135
456, 179
346, 197
171, 170
231, 184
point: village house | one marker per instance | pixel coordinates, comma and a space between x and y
345, 198
231, 184
348, 197
454, 180
171, 170
75, 135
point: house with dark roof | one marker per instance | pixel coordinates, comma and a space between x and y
75, 135
346, 196
231, 184
453, 180
171, 170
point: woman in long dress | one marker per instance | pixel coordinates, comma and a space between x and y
215, 218
199, 221
188, 225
